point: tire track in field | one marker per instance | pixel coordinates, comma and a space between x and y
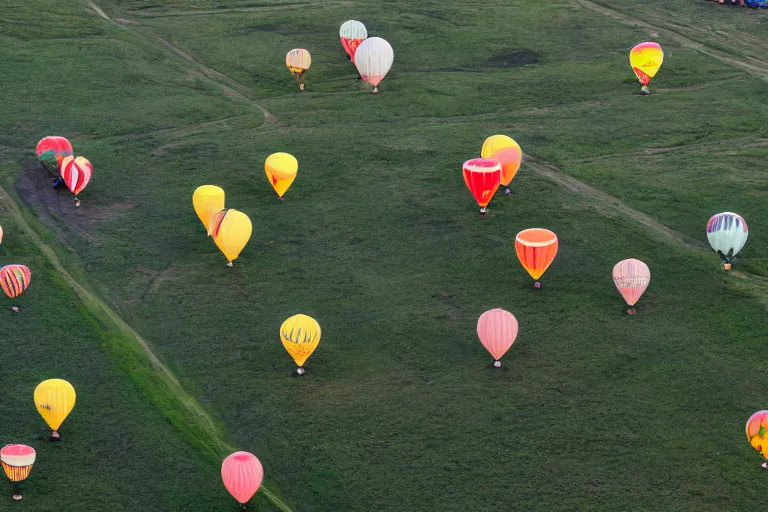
755, 68
229, 86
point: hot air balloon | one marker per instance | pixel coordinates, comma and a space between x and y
1, 235
646, 59
54, 399
497, 330
727, 233
17, 460
14, 279
508, 153
51, 151
207, 200
231, 230
281, 169
242, 474
631, 278
300, 335
76, 173
352, 33
298, 62
757, 433
482, 177
373, 59
536, 248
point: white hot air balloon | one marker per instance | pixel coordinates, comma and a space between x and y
373, 59
352, 33
727, 233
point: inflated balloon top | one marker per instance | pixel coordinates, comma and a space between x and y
300, 335
298, 61
17, 461
51, 151
242, 474
281, 169
497, 330
231, 230
373, 59
727, 233
76, 173
14, 279
646, 59
536, 249
482, 177
207, 200
507, 152
54, 399
631, 278
351, 34
757, 431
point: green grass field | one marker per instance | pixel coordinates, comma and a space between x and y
380, 241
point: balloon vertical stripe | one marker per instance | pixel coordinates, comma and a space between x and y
727, 233
536, 248
16, 474
17, 461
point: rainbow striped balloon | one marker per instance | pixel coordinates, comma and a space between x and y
14, 279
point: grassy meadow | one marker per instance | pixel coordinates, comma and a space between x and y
380, 241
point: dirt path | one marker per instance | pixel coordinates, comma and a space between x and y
754, 67
228, 85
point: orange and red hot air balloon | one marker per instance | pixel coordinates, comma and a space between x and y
76, 173
242, 474
757, 433
482, 177
51, 151
536, 249
14, 279
497, 330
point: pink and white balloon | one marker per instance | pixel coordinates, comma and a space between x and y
497, 330
373, 59
631, 277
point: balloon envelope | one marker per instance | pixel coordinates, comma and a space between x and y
631, 277
17, 460
14, 279
76, 173
757, 431
54, 399
497, 330
482, 177
281, 169
352, 33
646, 59
207, 200
507, 152
1, 234
727, 233
298, 61
231, 231
300, 335
242, 474
536, 249
51, 151
373, 59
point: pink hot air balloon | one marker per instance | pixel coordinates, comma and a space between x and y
631, 277
497, 330
242, 474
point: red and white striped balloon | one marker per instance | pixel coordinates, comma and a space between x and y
497, 330
76, 173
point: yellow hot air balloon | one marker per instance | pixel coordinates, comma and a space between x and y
281, 169
54, 399
508, 153
207, 200
300, 335
298, 61
646, 59
231, 230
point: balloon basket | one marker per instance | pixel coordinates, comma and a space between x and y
281, 198
537, 285
55, 436
507, 192
483, 211
375, 90
300, 371
644, 90
631, 312
15, 309
727, 266
230, 265
301, 87
77, 203
17, 497
497, 364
